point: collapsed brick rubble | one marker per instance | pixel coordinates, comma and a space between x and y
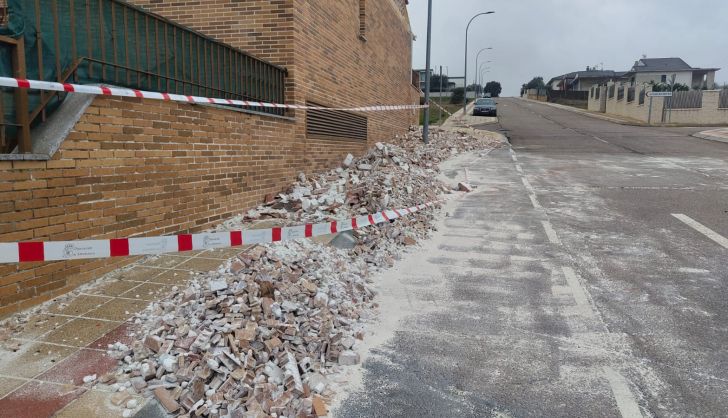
263, 334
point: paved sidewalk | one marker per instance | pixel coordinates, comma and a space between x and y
720, 135
458, 121
42, 365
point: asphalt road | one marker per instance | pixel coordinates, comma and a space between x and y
565, 285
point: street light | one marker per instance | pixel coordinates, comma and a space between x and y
483, 72
426, 124
477, 58
465, 76
479, 80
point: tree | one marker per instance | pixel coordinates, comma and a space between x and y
666, 87
458, 95
536, 83
435, 82
494, 88
475, 87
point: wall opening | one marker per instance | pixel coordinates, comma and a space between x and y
335, 124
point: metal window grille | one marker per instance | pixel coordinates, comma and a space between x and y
113, 42
335, 124
362, 18
723, 99
687, 99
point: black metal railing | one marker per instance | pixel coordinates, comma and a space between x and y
687, 99
630, 94
723, 99
113, 42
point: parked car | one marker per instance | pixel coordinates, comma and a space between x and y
485, 107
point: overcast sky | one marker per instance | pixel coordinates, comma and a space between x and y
552, 37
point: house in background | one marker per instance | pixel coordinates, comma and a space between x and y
583, 80
660, 70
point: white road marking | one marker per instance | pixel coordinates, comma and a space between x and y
626, 401
600, 139
534, 202
550, 233
519, 168
721, 240
583, 303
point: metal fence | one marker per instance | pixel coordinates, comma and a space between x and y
630, 94
597, 92
723, 99
113, 42
642, 96
620, 93
686, 100
610, 91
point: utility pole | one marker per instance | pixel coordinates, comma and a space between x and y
426, 127
440, 95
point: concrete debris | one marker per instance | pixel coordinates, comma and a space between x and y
464, 187
260, 336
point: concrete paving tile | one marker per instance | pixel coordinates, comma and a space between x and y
115, 287
32, 359
223, 253
122, 334
80, 332
172, 277
73, 368
118, 309
93, 404
38, 400
148, 292
9, 384
39, 325
139, 273
166, 261
78, 305
201, 264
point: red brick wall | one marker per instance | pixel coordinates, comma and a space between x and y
151, 168
135, 167
318, 42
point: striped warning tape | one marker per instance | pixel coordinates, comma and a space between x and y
124, 92
441, 108
22, 252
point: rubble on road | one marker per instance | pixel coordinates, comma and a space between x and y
263, 334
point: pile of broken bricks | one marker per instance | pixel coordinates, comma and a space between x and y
262, 335
255, 338
267, 333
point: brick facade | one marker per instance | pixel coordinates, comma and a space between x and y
144, 168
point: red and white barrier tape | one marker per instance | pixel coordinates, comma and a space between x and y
124, 92
22, 252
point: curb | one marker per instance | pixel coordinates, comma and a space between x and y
705, 135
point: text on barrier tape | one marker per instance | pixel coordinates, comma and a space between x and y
124, 92
24, 252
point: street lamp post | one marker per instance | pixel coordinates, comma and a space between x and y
480, 69
426, 125
465, 76
477, 60
479, 74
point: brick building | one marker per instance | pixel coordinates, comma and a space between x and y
132, 167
